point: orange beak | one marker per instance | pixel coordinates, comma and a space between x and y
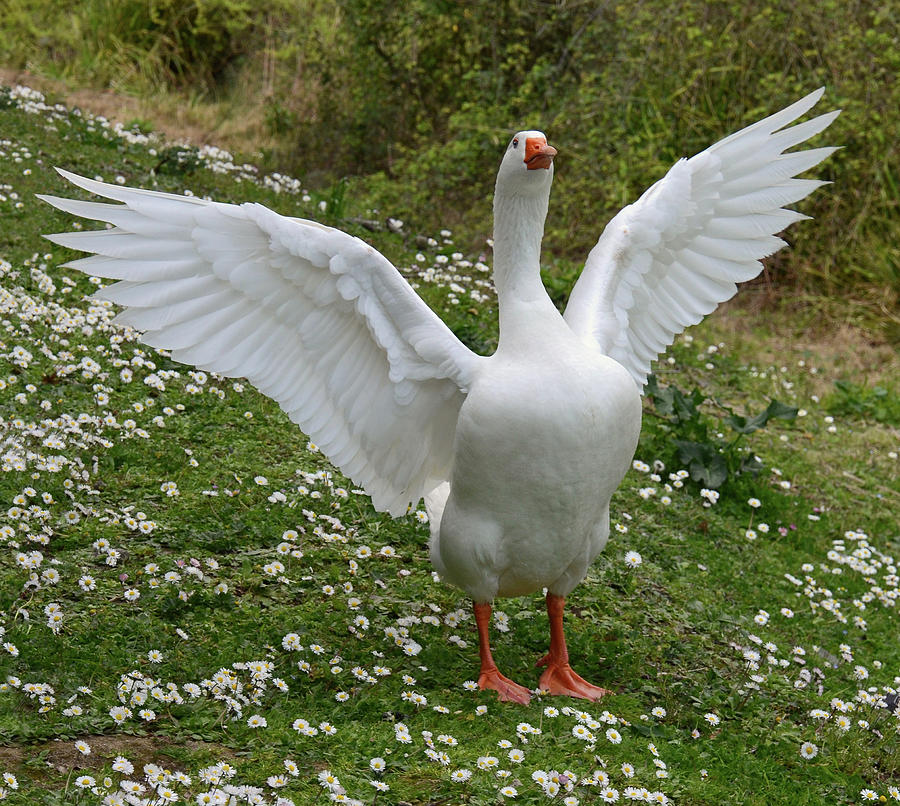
538, 153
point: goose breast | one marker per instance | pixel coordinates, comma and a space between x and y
541, 445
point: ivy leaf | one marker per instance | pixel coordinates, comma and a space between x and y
738, 423
691, 451
712, 474
781, 410
704, 462
775, 409
686, 405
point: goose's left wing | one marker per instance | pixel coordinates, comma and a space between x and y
670, 258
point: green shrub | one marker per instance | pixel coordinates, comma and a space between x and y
137, 43
684, 431
420, 97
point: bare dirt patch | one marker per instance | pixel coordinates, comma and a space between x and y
763, 336
61, 757
176, 118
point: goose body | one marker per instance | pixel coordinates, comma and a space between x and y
517, 455
543, 439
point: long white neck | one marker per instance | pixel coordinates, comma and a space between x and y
518, 230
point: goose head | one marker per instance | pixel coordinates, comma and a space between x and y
521, 199
527, 165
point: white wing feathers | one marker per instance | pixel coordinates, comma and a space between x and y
670, 258
314, 318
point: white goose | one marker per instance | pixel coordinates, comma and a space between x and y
516, 454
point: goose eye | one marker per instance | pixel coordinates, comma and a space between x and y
515, 143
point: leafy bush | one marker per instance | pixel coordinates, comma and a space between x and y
710, 458
624, 92
141, 43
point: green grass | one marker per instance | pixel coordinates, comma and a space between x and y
670, 633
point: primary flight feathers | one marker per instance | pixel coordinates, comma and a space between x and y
670, 258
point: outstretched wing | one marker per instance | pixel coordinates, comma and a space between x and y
670, 258
314, 318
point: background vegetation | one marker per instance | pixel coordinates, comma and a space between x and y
741, 640
414, 100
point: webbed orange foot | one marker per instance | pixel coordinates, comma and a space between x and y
561, 679
507, 690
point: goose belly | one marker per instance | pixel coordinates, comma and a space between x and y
539, 452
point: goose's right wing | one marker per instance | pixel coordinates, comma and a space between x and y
314, 318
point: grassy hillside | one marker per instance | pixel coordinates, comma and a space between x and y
415, 99
194, 605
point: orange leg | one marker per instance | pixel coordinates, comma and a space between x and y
490, 677
559, 678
